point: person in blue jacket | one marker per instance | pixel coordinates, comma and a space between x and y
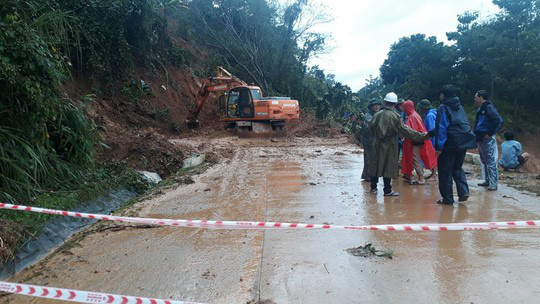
429, 116
512, 156
453, 136
488, 123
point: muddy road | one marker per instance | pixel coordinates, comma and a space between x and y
313, 181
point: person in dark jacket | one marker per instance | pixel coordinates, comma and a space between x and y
488, 122
374, 106
400, 111
453, 136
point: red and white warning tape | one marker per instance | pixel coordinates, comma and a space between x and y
78, 295
277, 225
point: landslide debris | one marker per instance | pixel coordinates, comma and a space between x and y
144, 150
308, 125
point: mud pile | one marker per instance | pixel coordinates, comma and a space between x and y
531, 145
136, 119
308, 125
143, 150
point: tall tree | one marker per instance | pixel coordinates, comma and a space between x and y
260, 41
418, 66
501, 54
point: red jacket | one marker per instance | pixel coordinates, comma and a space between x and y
427, 153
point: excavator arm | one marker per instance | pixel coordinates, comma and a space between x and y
222, 83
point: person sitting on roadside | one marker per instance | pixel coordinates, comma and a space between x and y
512, 156
415, 153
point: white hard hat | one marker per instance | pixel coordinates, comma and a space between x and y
391, 97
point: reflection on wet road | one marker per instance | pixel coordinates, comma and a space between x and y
299, 184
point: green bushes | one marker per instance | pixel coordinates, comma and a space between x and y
44, 140
90, 184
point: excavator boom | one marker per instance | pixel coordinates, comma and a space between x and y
223, 82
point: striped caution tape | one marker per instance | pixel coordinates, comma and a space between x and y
78, 296
278, 225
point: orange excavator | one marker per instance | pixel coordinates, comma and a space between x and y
243, 106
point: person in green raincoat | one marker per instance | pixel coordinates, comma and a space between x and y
385, 129
373, 107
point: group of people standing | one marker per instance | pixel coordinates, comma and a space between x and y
435, 139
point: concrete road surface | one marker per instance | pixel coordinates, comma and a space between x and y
313, 181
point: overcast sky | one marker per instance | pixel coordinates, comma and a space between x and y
364, 30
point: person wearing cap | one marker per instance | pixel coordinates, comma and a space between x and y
374, 106
429, 117
385, 128
453, 136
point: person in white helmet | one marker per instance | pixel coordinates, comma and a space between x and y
385, 128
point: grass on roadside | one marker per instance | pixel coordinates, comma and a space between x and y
92, 185
19, 226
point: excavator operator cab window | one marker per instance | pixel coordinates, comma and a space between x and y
232, 104
245, 107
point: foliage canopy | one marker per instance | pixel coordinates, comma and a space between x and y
500, 54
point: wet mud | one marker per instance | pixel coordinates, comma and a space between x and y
313, 181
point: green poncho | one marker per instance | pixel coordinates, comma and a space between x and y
384, 129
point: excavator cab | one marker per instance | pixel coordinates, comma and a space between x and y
245, 107
237, 103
